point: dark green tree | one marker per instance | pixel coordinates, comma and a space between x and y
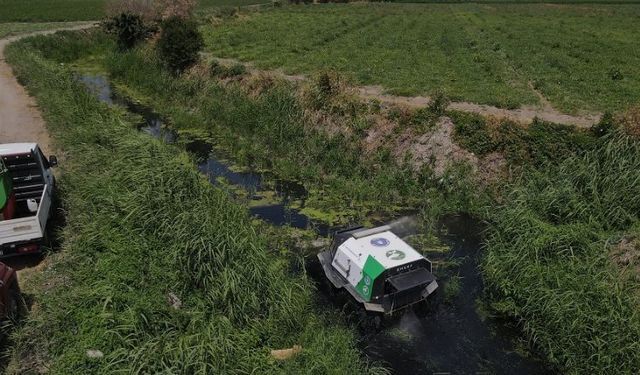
179, 44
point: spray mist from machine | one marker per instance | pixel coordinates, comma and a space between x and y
405, 226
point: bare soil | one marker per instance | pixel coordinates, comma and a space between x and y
20, 118
524, 114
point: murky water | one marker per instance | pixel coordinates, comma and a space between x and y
451, 337
279, 213
439, 337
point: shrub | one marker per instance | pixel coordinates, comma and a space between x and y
179, 44
128, 28
439, 103
615, 74
330, 91
237, 70
216, 69
604, 126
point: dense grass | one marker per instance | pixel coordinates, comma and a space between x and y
143, 223
579, 57
534, 145
548, 258
271, 131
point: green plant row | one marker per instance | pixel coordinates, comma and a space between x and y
501, 55
158, 270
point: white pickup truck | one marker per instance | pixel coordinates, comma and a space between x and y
26, 193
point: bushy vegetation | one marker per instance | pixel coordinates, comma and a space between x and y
548, 259
534, 145
222, 71
128, 28
474, 52
159, 271
179, 44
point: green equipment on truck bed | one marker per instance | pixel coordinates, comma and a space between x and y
5, 185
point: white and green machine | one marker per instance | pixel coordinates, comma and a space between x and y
378, 269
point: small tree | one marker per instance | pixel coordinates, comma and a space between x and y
179, 44
128, 28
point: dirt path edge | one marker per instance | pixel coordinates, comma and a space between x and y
20, 119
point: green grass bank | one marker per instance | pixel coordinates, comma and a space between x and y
549, 258
143, 226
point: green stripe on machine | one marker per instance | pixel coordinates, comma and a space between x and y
372, 269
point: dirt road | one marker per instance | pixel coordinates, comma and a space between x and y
20, 119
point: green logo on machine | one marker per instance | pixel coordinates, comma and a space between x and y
395, 254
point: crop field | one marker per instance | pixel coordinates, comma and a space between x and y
48, 10
78, 10
492, 54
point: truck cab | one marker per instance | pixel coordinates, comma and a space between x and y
26, 193
378, 269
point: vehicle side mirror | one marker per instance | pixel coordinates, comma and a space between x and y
53, 161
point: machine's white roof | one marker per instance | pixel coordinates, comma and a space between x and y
16, 148
387, 248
